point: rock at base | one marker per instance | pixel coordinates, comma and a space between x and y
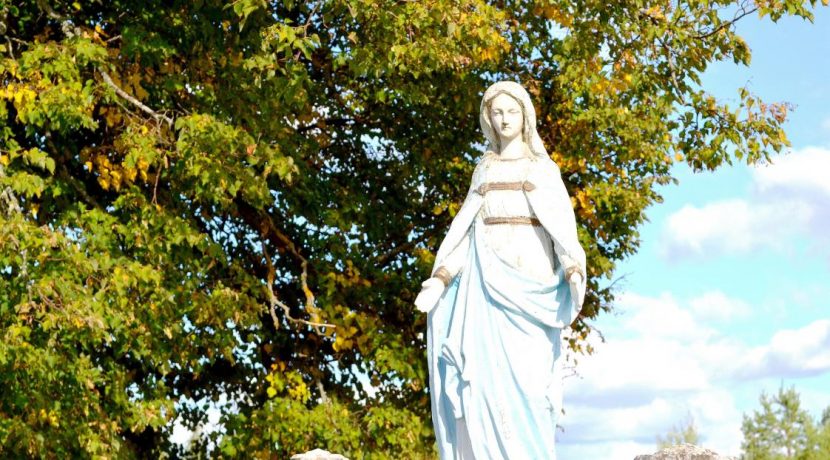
684, 452
318, 454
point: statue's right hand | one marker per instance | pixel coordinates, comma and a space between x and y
431, 291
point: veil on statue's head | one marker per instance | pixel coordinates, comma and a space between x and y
529, 134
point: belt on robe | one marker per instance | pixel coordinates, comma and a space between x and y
516, 220
519, 185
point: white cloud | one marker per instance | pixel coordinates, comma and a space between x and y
804, 171
716, 306
791, 352
733, 226
660, 317
662, 360
791, 198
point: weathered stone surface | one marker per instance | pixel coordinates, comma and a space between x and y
684, 452
318, 454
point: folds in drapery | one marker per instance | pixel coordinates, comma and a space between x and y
493, 344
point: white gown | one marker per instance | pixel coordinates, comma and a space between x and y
527, 248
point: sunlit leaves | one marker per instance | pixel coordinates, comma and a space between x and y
236, 201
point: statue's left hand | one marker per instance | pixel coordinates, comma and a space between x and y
577, 286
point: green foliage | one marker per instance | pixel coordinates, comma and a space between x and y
782, 429
203, 200
683, 433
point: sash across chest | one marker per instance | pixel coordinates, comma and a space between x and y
523, 186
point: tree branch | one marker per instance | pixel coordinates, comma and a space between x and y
738, 16
275, 302
8, 198
134, 101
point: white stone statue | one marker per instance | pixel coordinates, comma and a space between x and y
508, 277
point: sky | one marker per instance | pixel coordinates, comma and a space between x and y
729, 294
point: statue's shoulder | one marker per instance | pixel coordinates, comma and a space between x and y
544, 172
486, 158
481, 165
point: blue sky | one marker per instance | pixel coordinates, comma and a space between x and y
729, 294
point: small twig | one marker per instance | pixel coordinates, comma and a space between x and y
324, 398
275, 302
17, 40
156, 187
11, 49
672, 68
738, 16
134, 101
308, 19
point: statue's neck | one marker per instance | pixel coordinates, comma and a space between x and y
514, 148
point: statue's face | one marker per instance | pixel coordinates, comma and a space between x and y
506, 117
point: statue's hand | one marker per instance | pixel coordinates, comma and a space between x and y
431, 291
577, 286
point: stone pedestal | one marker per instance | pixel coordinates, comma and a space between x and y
318, 454
684, 452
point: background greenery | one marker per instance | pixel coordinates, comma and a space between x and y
207, 201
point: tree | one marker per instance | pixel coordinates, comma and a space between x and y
782, 429
823, 435
202, 200
683, 433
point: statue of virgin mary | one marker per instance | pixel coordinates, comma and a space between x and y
508, 277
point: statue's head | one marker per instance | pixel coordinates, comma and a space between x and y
506, 117
506, 112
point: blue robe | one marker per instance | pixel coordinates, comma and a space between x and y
494, 338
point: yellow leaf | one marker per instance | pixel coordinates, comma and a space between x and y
88, 165
4, 159
116, 179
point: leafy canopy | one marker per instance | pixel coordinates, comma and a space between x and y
207, 201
